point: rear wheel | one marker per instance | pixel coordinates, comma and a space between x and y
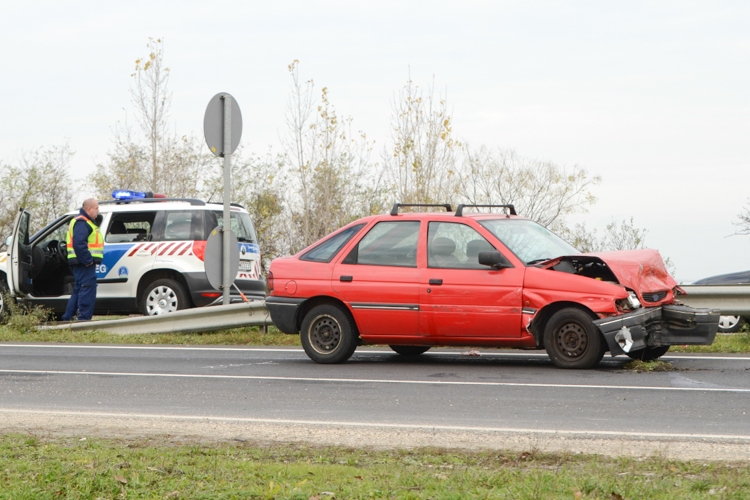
649, 353
410, 350
731, 324
572, 340
163, 296
328, 334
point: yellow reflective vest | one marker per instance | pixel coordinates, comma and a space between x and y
96, 241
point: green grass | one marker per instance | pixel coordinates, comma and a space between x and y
35, 468
237, 336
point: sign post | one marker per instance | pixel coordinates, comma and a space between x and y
222, 127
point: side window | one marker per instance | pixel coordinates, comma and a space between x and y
182, 225
327, 250
452, 245
387, 244
130, 226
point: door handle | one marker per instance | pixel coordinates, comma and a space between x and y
346, 278
434, 281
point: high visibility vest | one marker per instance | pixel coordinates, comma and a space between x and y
96, 241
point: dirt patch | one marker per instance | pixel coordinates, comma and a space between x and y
373, 436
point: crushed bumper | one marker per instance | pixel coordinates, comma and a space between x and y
659, 326
283, 311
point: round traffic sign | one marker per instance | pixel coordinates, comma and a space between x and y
213, 124
213, 258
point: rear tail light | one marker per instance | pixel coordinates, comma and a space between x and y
199, 249
211, 295
269, 280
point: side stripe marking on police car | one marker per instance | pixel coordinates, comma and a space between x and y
171, 248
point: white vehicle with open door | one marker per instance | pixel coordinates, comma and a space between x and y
153, 258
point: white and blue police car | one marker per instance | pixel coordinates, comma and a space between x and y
153, 256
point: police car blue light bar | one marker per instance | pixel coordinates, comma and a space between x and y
126, 194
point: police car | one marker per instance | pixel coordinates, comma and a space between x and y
153, 256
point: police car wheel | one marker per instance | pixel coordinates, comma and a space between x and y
163, 296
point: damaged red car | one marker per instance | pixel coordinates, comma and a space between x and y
416, 280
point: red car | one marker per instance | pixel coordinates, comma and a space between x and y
417, 280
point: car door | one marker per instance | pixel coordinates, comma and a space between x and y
379, 280
20, 255
460, 297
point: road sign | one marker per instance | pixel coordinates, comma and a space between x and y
222, 127
214, 124
213, 257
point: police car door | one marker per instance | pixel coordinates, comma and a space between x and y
20, 256
129, 253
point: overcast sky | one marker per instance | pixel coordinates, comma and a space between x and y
652, 96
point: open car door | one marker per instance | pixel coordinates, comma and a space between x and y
20, 256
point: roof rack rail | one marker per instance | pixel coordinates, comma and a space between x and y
236, 205
460, 209
396, 206
192, 201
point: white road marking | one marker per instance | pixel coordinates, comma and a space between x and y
298, 350
425, 427
376, 381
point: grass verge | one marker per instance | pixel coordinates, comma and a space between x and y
98, 468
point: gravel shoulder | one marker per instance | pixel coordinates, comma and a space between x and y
202, 430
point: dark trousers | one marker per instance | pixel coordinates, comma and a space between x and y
83, 298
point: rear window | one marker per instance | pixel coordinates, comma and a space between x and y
240, 222
327, 250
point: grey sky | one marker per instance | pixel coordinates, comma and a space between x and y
652, 96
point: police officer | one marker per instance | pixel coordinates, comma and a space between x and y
85, 250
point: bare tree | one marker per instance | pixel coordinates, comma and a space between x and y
743, 221
328, 164
40, 182
153, 157
421, 164
540, 190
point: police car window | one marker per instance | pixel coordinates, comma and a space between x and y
181, 225
59, 234
130, 226
241, 225
387, 244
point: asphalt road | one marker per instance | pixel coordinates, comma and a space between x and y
705, 396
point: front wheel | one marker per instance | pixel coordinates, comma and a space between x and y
572, 340
163, 296
649, 353
409, 350
328, 334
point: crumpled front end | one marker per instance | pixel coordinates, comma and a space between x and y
659, 326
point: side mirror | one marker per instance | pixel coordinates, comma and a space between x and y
8, 241
494, 259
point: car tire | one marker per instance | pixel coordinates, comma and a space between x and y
572, 340
410, 350
328, 334
731, 324
163, 296
649, 353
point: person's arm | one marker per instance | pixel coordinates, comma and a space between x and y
81, 231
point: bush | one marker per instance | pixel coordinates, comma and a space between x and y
21, 317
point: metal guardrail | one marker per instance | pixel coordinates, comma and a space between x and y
201, 319
731, 300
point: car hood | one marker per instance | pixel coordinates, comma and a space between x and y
642, 271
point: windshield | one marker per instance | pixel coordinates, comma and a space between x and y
529, 241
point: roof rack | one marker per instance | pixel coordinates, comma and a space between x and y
396, 206
460, 209
192, 201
